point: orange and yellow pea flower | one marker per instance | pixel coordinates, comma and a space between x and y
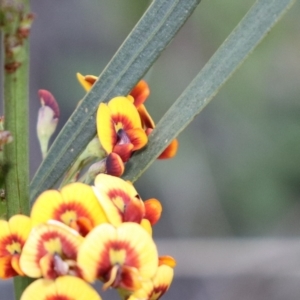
13, 235
157, 286
51, 251
122, 203
119, 127
139, 93
75, 205
121, 257
62, 288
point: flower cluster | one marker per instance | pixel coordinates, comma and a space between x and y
83, 233
123, 126
80, 234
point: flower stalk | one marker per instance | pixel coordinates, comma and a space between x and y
15, 25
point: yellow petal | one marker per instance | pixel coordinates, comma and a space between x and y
86, 81
143, 245
4, 232
106, 128
75, 202
40, 289
114, 195
65, 287
44, 206
20, 225
92, 248
85, 202
162, 281
147, 226
123, 111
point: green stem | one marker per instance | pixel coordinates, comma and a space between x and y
16, 153
16, 23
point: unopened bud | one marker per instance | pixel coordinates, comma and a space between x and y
47, 119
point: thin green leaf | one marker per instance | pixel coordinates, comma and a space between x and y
151, 35
250, 31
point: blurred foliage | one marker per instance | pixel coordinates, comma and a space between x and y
238, 169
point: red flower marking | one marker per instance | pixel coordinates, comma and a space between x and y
68, 249
132, 210
104, 263
48, 99
58, 297
81, 223
8, 240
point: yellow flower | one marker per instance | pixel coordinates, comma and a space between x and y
51, 251
62, 288
122, 257
75, 205
119, 127
154, 288
139, 93
119, 200
13, 234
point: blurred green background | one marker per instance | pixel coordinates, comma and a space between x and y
237, 171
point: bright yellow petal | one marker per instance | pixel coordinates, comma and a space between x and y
147, 226
152, 289
75, 288
106, 128
86, 81
20, 225
4, 231
143, 245
161, 281
114, 194
64, 287
75, 202
41, 289
124, 112
84, 200
44, 206
92, 248
113, 214
106, 183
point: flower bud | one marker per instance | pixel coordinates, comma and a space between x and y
47, 119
